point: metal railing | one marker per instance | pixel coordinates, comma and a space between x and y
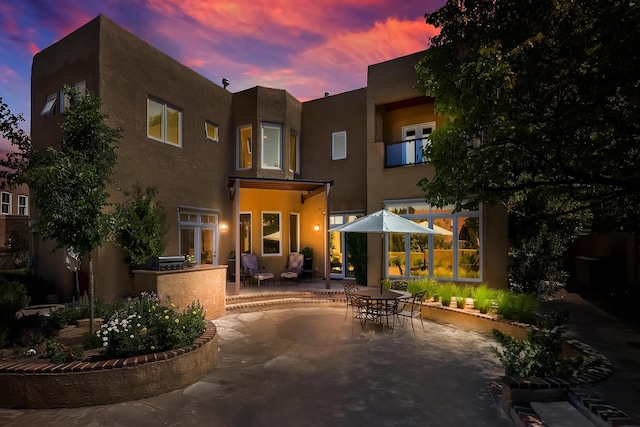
405, 153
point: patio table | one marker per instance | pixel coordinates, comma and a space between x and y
380, 304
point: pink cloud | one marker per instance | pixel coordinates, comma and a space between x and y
7, 74
340, 64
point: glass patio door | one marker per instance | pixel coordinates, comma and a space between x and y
339, 249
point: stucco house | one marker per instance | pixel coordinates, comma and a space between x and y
259, 171
14, 215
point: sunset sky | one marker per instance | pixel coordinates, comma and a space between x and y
307, 47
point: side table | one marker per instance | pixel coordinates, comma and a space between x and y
308, 275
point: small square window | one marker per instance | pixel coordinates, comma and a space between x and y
211, 131
49, 105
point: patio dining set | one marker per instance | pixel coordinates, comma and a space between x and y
384, 307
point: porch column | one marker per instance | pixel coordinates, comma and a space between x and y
236, 214
327, 260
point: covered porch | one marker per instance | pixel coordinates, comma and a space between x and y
273, 218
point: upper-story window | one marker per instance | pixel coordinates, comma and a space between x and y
271, 146
409, 151
211, 130
49, 105
294, 152
339, 145
164, 122
243, 147
81, 87
5, 203
23, 205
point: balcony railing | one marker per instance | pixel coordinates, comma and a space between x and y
405, 153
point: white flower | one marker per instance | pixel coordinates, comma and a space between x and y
522, 355
131, 336
31, 352
104, 344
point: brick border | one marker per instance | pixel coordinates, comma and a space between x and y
78, 383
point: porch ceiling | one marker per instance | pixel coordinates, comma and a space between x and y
278, 184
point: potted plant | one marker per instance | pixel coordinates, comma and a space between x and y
190, 260
308, 258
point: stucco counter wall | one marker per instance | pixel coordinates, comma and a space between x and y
204, 283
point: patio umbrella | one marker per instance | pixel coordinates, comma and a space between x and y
383, 222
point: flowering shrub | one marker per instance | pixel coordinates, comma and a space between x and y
144, 325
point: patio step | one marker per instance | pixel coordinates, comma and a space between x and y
275, 300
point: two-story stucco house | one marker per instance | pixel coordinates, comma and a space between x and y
259, 171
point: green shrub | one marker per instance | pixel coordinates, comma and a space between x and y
461, 294
418, 285
525, 306
146, 326
540, 354
37, 288
91, 341
59, 353
505, 307
140, 226
71, 313
13, 298
483, 297
447, 290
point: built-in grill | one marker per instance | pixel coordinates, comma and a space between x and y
163, 263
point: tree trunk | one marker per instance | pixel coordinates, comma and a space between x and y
91, 304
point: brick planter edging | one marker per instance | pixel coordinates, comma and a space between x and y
518, 393
54, 385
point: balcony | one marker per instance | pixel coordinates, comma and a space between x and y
405, 153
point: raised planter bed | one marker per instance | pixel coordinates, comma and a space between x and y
56, 385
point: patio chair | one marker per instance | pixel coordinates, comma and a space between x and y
251, 269
349, 289
294, 268
413, 308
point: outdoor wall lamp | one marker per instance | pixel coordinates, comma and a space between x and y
223, 227
316, 227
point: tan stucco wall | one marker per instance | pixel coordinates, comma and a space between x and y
322, 117
202, 283
311, 212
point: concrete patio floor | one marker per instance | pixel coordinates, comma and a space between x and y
309, 366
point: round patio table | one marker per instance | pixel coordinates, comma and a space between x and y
379, 304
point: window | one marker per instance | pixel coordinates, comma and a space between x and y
294, 152
81, 87
5, 203
453, 254
271, 233
49, 105
271, 146
198, 235
211, 131
23, 205
245, 232
294, 232
164, 123
339, 145
243, 147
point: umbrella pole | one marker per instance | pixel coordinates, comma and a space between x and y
382, 266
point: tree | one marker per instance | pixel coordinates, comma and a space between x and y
69, 183
543, 102
140, 226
